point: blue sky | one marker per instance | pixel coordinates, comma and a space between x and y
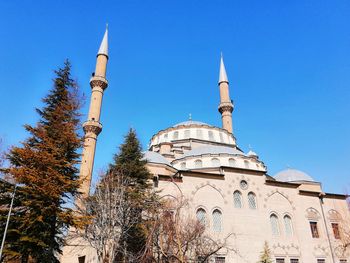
288, 63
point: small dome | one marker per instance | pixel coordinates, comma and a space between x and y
153, 157
252, 154
188, 123
292, 175
211, 149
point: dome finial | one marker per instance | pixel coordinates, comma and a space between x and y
190, 117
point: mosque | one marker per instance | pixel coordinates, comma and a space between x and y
230, 190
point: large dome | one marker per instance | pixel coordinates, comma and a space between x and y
187, 123
293, 175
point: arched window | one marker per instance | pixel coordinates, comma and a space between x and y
231, 162
221, 137
237, 199
199, 134
274, 225
246, 164
187, 134
166, 136
252, 200
201, 216
211, 135
198, 164
176, 135
215, 162
217, 220
288, 225
183, 165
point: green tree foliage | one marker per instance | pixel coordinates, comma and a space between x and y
130, 164
265, 255
45, 166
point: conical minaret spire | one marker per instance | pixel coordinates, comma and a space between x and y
92, 127
226, 105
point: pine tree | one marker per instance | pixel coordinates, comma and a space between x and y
265, 255
45, 165
131, 165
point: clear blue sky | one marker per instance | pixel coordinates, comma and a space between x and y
288, 63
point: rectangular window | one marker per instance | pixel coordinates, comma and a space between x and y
294, 260
343, 261
81, 259
219, 259
314, 230
279, 260
321, 260
336, 232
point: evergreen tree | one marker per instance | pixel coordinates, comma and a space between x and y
265, 255
130, 164
45, 165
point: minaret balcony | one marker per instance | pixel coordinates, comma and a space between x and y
98, 81
92, 126
225, 106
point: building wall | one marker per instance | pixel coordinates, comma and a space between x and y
252, 227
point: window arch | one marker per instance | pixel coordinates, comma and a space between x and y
288, 225
201, 216
231, 162
274, 225
198, 164
217, 220
252, 200
215, 162
237, 199
176, 135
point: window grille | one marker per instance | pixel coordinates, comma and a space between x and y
336, 232
176, 135
198, 164
252, 200
187, 134
237, 199
274, 225
321, 260
279, 260
243, 184
217, 218
215, 162
219, 259
343, 261
201, 216
288, 225
314, 230
294, 260
81, 259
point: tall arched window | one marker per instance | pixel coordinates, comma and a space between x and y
198, 164
237, 199
252, 200
187, 134
176, 135
199, 134
274, 225
217, 220
215, 162
201, 216
288, 225
211, 136
231, 162
246, 164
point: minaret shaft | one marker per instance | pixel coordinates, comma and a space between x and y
92, 127
226, 105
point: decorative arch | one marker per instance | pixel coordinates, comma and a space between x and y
334, 216
210, 185
282, 194
312, 214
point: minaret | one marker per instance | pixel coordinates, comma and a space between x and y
92, 127
226, 105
